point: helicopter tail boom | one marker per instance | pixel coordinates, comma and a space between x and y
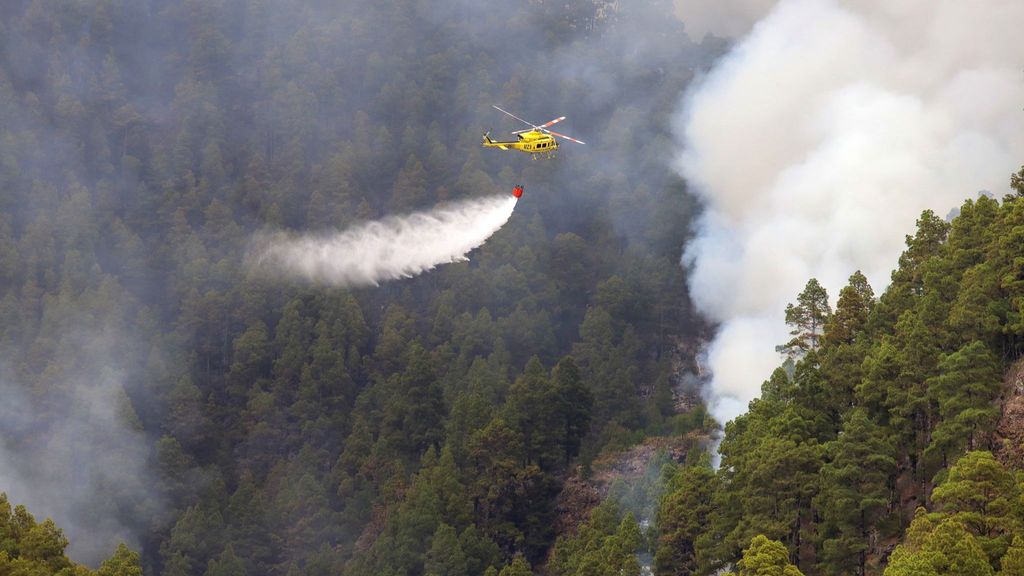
489, 142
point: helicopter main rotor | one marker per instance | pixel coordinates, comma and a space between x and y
541, 128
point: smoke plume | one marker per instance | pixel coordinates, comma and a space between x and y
818, 141
396, 247
732, 18
75, 451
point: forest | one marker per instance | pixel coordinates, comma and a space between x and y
170, 412
212, 418
883, 442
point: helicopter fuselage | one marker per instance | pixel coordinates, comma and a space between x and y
532, 142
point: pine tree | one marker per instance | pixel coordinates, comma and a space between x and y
227, 564
854, 492
575, 404
410, 186
482, 553
421, 406
1017, 182
981, 495
766, 557
518, 567
683, 516
494, 456
856, 301
967, 382
445, 557
124, 562
976, 313
807, 320
1012, 563
908, 279
534, 408
946, 549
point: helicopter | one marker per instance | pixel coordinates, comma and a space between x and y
535, 141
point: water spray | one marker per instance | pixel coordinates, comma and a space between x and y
394, 247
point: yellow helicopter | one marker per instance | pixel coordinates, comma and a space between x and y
534, 141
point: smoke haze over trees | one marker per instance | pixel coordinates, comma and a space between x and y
216, 421
31, 547
159, 391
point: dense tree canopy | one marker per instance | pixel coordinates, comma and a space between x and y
426, 426
422, 426
31, 548
884, 408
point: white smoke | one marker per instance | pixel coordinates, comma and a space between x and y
818, 141
396, 247
71, 446
729, 18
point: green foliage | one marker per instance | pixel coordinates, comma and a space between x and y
125, 562
941, 549
842, 442
855, 492
227, 564
683, 517
769, 475
807, 319
445, 557
853, 310
983, 497
606, 545
575, 402
766, 557
518, 567
1012, 563
533, 411
30, 548
428, 424
1017, 181
967, 382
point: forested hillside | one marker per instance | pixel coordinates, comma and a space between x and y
158, 392
880, 427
